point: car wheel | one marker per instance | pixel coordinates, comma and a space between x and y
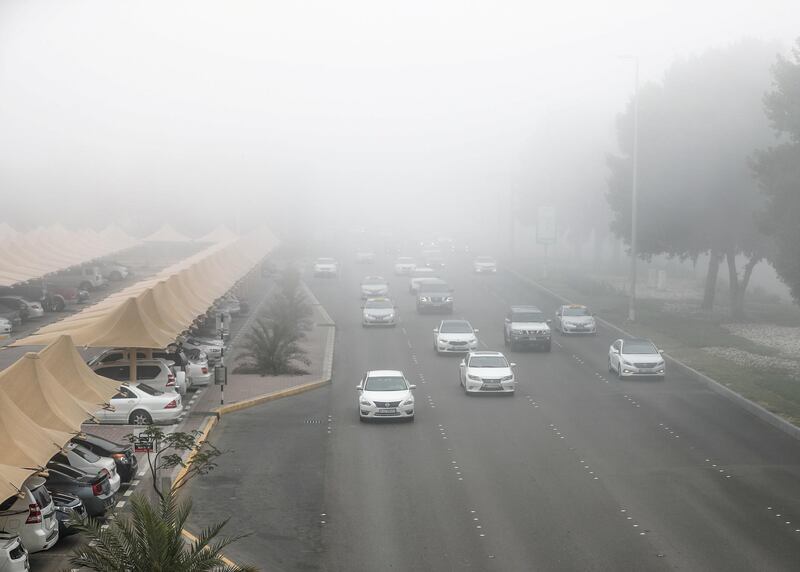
140, 417
610, 367
59, 304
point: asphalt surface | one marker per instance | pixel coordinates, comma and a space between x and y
577, 471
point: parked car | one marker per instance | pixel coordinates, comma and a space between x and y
374, 286
81, 277
213, 348
635, 357
404, 265
326, 268
526, 326
378, 312
156, 373
5, 326
28, 310
434, 296
486, 371
11, 314
574, 319
454, 336
197, 372
140, 404
114, 271
69, 512
123, 456
82, 458
93, 489
13, 556
31, 515
385, 394
484, 265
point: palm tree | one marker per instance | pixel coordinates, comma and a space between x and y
272, 347
150, 539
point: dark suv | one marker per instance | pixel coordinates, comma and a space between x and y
434, 296
526, 326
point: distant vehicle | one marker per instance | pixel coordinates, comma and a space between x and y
32, 515
69, 512
378, 312
212, 347
446, 243
434, 296
122, 454
404, 265
28, 310
326, 268
526, 326
454, 336
419, 275
484, 372
13, 556
156, 373
365, 256
80, 457
81, 277
484, 265
374, 286
114, 271
635, 357
385, 394
574, 319
141, 405
93, 489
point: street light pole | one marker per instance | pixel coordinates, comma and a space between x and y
634, 192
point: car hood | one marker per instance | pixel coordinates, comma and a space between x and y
490, 372
374, 287
378, 311
386, 395
456, 337
529, 326
642, 358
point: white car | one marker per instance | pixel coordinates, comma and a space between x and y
13, 556
141, 405
374, 286
28, 309
385, 394
454, 336
484, 265
80, 457
404, 265
483, 372
5, 326
574, 319
157, 373
213, 348
326, 268
378, 312
635, 357
32, 515
365, 257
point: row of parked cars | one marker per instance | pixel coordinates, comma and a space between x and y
80, 481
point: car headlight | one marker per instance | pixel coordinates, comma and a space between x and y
424, 299
409, 401
364, 402
448, 299
660, 363
473, 341
473, 377
507, 378
389, 316
625, 362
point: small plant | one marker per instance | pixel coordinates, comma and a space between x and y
272, 348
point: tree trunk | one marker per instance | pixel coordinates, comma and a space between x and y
738, 311
733, 279
714, 260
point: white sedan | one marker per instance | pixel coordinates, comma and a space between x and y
385, 394
454, 336
635, 357
483, 372
404, 265
374, 286
484, 265
575, 319
141, 405
326, 268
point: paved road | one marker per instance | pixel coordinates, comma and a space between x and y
578, 471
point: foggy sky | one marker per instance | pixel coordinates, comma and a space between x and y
313, 108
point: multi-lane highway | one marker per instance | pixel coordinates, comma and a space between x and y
578, 471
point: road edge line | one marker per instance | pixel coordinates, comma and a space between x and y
750, 406
192, 538
211, 421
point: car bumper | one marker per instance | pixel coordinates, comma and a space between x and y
372, 412
481, 270
201, 380
532, 341
480, 387
325, 273
391, 322
429, 307
630, 371
374, 294
42, 538
98, 506
166, 416
451, 349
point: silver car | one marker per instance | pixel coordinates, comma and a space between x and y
575, 319
379, 312
374, 286
635, 357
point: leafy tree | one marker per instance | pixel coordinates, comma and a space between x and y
778, 171
696, 193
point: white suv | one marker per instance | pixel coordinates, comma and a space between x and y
484, 372
13, 556
31, 515
154, 372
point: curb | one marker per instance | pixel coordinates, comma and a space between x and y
248, 403
715, 386
211, 421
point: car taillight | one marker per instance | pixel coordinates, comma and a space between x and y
97, 488
118, 456
204, 370
170, 380
172, 404
34, 514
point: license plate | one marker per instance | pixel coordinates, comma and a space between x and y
387, 410
491, 386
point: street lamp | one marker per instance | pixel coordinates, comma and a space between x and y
634, 190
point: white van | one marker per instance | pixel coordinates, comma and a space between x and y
31, 515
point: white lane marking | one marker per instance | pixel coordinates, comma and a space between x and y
128, 493
121, 504
558, 344
142, 472
409, 343
404, 331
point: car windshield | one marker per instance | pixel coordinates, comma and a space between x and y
455, 327
378, 305
385, 383
488, 361
575, 311
85, 454
639, 347
435, 287
527, 317
42, 496
149, 390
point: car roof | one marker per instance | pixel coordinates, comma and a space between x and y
385, 373
525, 309
573, 306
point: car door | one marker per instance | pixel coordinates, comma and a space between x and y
462, 370
123, 402
614, 354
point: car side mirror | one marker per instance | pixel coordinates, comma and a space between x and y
435, 330
549, 321
476, 330
661, 351
412, 386
614, 350
359, 387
